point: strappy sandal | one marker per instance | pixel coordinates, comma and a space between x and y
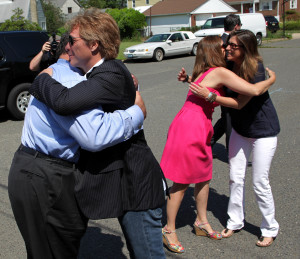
172, 247
200, 231
261, 239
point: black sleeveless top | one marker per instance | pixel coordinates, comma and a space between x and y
258, 118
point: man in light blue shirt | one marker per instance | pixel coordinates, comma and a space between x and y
43, 173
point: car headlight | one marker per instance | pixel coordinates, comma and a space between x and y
142, 50
126, 50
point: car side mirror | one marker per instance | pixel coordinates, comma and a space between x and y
168, 41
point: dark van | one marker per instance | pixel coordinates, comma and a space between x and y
17, 48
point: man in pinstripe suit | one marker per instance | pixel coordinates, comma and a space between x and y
123, 181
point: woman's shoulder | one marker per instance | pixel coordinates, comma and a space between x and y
221, 70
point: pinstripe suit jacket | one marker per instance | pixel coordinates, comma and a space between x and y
225, 38
120, 178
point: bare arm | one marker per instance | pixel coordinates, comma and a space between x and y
34, 64
239, 85
236, 103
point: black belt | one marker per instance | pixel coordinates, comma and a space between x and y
38, 154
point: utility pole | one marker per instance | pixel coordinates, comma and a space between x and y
283, 16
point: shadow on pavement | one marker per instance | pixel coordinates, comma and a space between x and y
96, 245
217, 204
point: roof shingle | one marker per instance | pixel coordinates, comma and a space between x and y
174, 7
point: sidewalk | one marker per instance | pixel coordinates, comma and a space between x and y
296, 36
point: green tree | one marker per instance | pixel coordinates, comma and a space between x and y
17, 22
103, 3
54, 17
128, 20
93, 3
116, 4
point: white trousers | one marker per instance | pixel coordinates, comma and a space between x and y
263, 150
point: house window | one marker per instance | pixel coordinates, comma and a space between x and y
147, 1
133, 3
44, 26
265, 5
293, 4
69, 9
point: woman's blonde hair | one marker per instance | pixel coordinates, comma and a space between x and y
249, 65
209, 54
94, 25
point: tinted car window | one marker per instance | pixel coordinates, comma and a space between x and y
214, 23
271, 19
23, 46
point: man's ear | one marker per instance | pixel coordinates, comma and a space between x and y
236, 27
94, 45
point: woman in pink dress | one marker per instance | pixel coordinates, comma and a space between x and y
187, 156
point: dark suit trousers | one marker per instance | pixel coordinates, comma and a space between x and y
42, 197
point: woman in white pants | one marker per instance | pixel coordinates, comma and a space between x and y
255, 127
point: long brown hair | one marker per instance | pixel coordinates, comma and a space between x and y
209, 54
94, 25
251, 57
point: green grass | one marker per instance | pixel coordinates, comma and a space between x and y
125, 44
278, 35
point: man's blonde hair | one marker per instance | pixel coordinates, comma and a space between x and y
94, 25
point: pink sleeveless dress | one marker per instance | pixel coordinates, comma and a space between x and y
187, 156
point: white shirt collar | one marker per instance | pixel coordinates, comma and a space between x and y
100, 62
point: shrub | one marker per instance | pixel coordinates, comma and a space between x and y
292, 15
291, 25
192, 29
17, 22
128, 20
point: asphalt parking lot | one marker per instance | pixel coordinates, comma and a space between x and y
164, 97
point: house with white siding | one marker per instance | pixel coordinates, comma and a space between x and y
69, 8
170, 15
32, 11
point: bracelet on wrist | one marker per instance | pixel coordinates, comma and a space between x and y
211, 97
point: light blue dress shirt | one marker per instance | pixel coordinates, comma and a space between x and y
93, 130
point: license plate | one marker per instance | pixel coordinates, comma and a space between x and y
130, 56
273, 24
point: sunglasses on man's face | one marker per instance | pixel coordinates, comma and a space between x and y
72, 41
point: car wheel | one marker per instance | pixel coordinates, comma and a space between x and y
259, 39
18, 100
194, 50
158, 55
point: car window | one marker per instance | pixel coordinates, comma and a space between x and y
272, 19
176, 37
158, 38
214, 23
186, 36
25, 46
